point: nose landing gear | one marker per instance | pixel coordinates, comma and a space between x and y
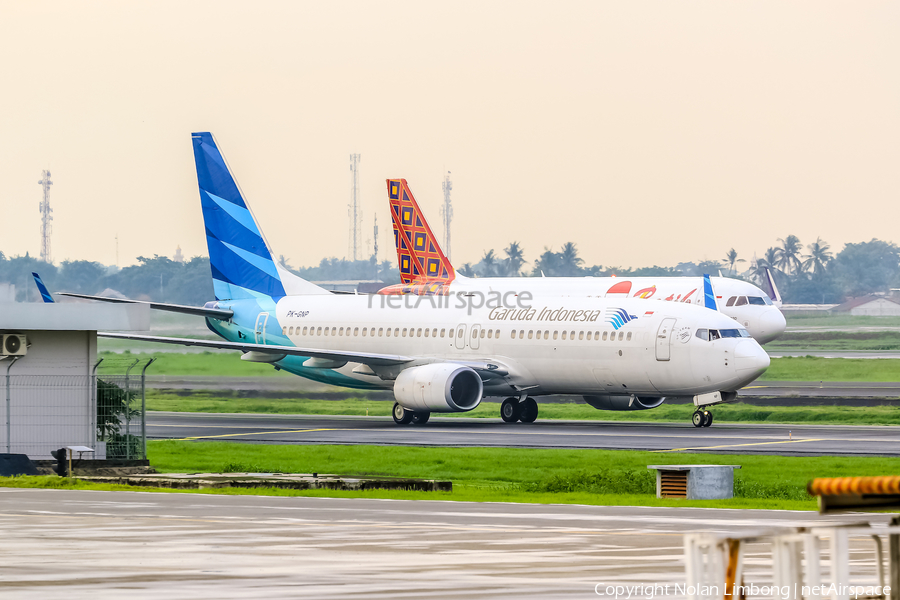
702, 418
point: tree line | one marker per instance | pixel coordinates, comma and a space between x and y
804, 274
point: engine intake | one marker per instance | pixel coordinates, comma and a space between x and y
622, 402
439, 387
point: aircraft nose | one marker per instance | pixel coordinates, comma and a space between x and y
772, 324
750, 360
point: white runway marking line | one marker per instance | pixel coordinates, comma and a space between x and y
776, 439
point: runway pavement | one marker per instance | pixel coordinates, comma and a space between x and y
98, 545
788, 440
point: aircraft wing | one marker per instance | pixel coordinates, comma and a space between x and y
367, 358
200, 311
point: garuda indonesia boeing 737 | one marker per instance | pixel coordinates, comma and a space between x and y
444, 353
425, 270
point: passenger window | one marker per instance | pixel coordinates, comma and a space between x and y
621, 335
605, 335
442, 333
474, 333
319, 331
341, 331
372, 333
703, 334
380, 331
396, 332
589, 336
564, 335
547, 335
490, 331
572, 336
427, 331
388, 332
580, 335
404, 332
365, 331
628, 339
482, 333
530, 333
334, 331
497, 334
521, 334
741, 301
555, 334
731, 301
596, 336
512, 334
304, 331
356, 331
419, 332
434, 332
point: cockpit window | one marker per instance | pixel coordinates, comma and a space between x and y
742, 300
731, 301
767, 300
715, 334
757, 301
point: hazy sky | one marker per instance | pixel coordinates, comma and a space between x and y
647, 132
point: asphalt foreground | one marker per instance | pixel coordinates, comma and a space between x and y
86, 544
785, 440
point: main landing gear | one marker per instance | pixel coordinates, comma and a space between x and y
513, 410
702, 418
403, 416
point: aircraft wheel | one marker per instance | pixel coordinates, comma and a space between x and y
509, 410
401, 415
528, 410
697, 419
708, 418
420, 418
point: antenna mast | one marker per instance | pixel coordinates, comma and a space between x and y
375, 255
46, 217
447, 212
354, 211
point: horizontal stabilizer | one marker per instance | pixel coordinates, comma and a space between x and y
200, 311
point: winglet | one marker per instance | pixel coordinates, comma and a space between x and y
419, 255
42, 288
773, 290
709, 296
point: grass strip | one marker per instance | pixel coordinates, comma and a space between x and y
216, 402
545, 476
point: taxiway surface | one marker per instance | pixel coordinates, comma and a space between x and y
83, 544
786, 440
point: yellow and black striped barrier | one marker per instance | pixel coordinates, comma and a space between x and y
856, 493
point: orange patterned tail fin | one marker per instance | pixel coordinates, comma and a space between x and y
418, 253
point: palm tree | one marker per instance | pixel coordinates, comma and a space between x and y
467, 270
489, 264
731, 258
569, 261
788, 256
514, 259
818, 258
546, 264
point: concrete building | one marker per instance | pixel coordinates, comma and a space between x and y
870, 306
48, 385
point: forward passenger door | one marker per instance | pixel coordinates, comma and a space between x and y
664, 338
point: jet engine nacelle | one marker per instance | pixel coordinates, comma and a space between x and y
622, 402
439, 387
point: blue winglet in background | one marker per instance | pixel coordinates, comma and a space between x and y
42, 288
709, 296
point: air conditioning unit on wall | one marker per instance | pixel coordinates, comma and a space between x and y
13, 344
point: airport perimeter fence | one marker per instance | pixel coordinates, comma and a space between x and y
104, 411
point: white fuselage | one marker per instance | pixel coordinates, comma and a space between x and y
560, 345
749, 306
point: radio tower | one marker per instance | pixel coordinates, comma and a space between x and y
353, 209
447, 212
46, 217
375, 254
